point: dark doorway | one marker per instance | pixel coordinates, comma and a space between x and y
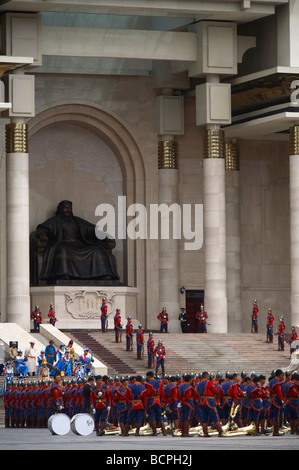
194, 299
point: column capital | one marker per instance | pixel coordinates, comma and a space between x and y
167, 155
214, 143
232, 161
16, 138
294, 139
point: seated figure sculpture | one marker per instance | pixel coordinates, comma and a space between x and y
71, 250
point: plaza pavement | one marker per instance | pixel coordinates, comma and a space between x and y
116, 446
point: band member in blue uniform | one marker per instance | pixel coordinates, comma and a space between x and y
104, 315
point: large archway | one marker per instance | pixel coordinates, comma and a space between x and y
115, 135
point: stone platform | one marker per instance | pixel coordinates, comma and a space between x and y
79, 306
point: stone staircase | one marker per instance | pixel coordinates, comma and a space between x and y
189, 353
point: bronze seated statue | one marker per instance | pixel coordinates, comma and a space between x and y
65, 250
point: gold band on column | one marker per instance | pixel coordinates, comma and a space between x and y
214, 143
167, 155
232, 161
16, 138
294, 140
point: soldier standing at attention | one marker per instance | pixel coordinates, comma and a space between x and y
104, 314
129, 334
163, 317
139, 341
254, 318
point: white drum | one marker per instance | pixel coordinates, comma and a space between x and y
59, 424
82, 424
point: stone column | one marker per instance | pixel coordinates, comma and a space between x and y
233, 245
215, 229
294, 222
17, 223
169, 248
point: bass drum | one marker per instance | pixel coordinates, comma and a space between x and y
82, 424
59, 424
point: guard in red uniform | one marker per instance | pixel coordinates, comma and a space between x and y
254, 318
163, 317
202, 317
160, 354
140, 342
52, 315
281, 330
292, 338
117, 326
104, 315
270, 320
150, 351
36, 315
129, 334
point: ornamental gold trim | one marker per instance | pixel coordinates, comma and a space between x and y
232, 160
214, 143
294, 140
167, 155
16, 137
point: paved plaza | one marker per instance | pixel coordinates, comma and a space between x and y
156, 448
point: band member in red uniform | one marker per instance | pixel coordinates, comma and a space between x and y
270, 320
186, 397
150, 351
292, 397
136, 403
277, 400
254, 392
202, 317
281, 330
254, 318
117, 326
56, 393
171, 403
154, 393
206, 396
164, 318
129, 334
292, 338
101, 399
104, 315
